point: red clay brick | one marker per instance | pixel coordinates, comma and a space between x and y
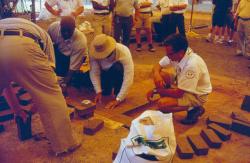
24, 99
211, 138
2, 128
86, 111
198, 144
220, 131
246, 103
223, 122
241, 127
240, 117
184, 150
92, 126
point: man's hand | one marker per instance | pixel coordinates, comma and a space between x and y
98, 97
162, 102
57, 12
150, 96
159, 82
112, 104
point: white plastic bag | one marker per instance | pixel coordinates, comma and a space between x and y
152, 133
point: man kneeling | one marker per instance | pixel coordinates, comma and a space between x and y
185, 89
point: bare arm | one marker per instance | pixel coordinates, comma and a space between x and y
158, 80
51, 10
78, 11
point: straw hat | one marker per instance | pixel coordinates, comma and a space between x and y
102, 46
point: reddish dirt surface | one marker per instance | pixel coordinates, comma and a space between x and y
231, 82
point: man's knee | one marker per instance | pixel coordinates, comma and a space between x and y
166, 77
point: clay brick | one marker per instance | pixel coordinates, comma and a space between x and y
225, 123
83, 111
241, 127
2, 128
240, 117
93, 126
21, 91
246, 103
24, 99
220, 131
4, 106
198, 144
24, 128
211, 138
6, 115
2, 99
184, 149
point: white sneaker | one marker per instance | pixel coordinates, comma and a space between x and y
216, 39
209, 38
220, 40
230, 42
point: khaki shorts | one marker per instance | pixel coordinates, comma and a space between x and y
189, 99
143, 21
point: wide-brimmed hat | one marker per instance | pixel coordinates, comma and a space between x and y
102, 46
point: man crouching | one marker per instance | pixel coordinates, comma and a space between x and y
185, 89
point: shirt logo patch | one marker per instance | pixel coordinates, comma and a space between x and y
190, 74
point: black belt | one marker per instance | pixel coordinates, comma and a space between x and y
244, 19
146, 12
25, 34
18, 33
102, 13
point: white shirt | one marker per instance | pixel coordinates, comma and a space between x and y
164, 5
67, 6
28, 26
192, 73
147, 9
176, 3
123, 55
103, 3
75, 47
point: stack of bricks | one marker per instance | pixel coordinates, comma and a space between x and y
240, 124
218, 131
82, 110
5, 111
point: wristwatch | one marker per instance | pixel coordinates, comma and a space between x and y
155, 91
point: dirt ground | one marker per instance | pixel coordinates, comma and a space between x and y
231, 82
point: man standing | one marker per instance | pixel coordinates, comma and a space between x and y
65, 7
243, 28
26, 57
178, 7
192, 80
165, 27
102, 22
70, 47
123, 20
111, 69
143, 15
